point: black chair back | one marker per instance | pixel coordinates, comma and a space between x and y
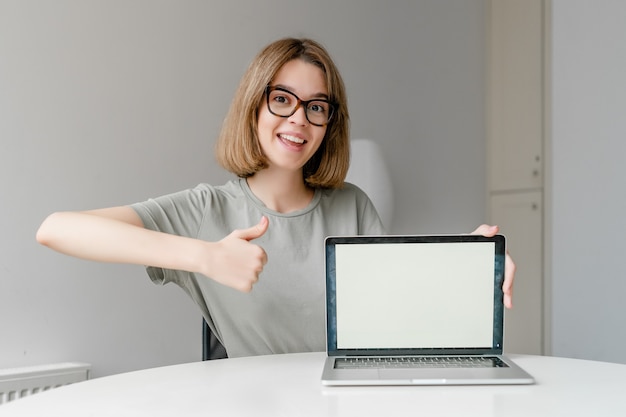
211, 347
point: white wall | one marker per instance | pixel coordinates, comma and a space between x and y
588, 150
109, 102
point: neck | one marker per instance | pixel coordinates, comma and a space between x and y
280, 191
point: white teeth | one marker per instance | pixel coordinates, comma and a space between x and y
292, 139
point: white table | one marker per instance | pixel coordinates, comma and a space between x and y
289, 385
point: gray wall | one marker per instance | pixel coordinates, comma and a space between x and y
109, 102
588, 179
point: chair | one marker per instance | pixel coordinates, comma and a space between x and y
211, 347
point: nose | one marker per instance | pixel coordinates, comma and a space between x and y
299, 116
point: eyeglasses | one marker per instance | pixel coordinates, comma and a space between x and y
284, 103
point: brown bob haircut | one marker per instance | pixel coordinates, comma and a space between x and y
238, 149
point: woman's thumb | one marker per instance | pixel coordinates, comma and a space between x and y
255, 231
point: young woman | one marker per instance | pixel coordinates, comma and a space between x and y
250, 252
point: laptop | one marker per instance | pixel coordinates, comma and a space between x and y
416, 310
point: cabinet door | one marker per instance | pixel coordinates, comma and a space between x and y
515, 94
519, 216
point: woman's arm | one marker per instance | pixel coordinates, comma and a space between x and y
117, 235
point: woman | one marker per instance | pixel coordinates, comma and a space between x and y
250, 252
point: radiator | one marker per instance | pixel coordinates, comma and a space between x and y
19, 382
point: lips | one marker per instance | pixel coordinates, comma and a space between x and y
292, 139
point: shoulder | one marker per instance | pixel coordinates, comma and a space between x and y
351, 188
351, 202
347, 198
204, 192
191, 199
349, 191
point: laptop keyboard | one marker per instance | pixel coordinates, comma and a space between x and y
419, 362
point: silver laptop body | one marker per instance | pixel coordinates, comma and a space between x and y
416, 310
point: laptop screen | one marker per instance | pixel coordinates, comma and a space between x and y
414, 293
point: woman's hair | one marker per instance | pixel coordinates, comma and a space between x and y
238, 149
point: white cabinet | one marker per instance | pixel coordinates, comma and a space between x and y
515, 127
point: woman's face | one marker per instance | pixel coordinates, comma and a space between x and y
289, 142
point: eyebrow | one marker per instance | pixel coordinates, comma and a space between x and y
314, 96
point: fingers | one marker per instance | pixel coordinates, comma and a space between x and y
507, 285
239, 262
509, 266
253, 232
486, 230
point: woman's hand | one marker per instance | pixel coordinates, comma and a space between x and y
509, 265
235, 262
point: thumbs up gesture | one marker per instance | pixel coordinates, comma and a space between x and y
235, 261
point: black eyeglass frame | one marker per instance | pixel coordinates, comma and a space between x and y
300, 102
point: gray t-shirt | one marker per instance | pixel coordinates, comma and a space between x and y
285, 310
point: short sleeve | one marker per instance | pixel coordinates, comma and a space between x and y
180, 213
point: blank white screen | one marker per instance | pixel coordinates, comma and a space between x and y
407, 295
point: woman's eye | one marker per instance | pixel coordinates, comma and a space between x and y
317, 107
281, 99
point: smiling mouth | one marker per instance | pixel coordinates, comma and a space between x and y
292, 139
